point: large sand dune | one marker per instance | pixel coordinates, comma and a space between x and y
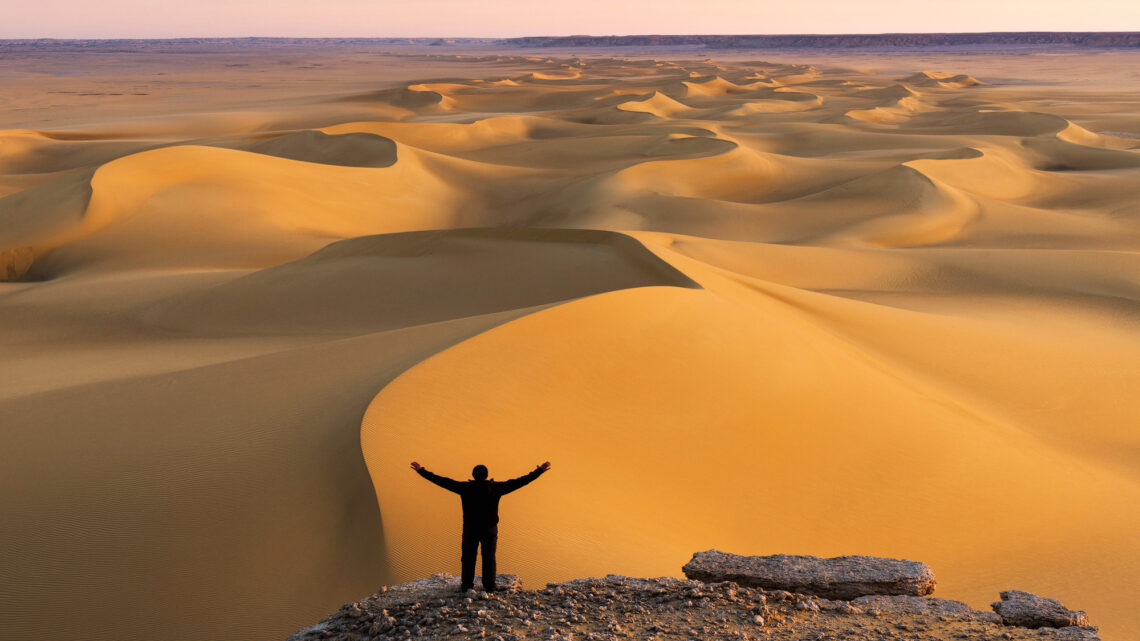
755, 306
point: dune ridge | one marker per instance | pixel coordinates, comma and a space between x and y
882, 313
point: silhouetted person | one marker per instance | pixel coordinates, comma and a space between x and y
480, 516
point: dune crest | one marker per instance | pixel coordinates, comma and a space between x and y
941, 79
347, 150
657, 104
711, 87
206, 193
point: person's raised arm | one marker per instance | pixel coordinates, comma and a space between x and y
514, 484
442, 481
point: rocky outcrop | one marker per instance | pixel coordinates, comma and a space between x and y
1032, 611
842, 577
713, 606
662, 609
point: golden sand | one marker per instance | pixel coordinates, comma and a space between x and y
887, 308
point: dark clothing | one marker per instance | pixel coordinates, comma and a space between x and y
480, 518
473, 539
480, 498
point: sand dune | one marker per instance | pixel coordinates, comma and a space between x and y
759, 306
392, 300
38, 152
347, 150
941, 79
475, 269
778, 104
711, 86
446, 137
895, 104
412, 97
270, 491
657, 104
879, 427
191, 206
1006, 123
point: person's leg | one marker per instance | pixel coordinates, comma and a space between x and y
489, 541
467, 558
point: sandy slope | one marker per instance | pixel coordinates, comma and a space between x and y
755, 306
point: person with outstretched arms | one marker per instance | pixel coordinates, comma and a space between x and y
480, 497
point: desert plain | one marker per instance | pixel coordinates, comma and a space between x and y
766, 302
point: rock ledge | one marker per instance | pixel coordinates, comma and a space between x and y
842, 577
619, 608
1032, 611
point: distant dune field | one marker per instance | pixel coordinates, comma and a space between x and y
868, 305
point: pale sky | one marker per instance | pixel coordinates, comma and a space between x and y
505, 18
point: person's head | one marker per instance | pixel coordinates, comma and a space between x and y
479, 472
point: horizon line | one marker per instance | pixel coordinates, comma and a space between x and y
576, 35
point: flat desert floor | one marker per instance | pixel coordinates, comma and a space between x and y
849, 304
